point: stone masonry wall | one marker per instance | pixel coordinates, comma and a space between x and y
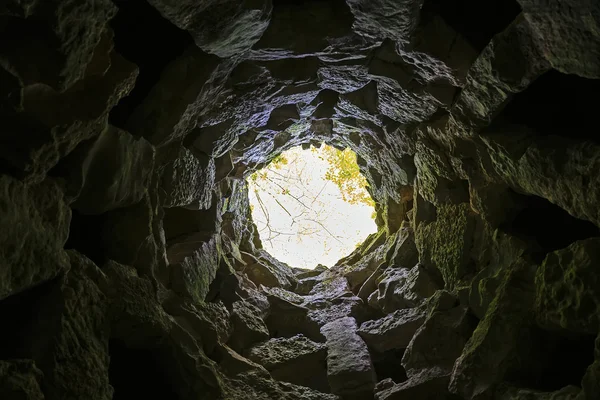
129, 264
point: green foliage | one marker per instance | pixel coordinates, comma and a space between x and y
279, 161
345, 173
284, 179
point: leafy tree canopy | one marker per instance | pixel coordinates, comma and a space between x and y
317, 198
345, 173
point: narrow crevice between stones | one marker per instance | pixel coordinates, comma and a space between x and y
557, 104
7, 169
552, 360
137, 373
545, 226
150, 41
491, 17
34, 36
65, 168
184, 229
85, 236
179, 222
316, 19
389, 365
23, 313
294, 323
220, 287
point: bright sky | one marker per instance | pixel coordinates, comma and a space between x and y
312, 224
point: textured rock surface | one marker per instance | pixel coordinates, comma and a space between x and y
394, 331
569, 272
419, 387
403, 288
296, 360
349, 368
20, 379
35, 222
249, 328
438, 342
129, 263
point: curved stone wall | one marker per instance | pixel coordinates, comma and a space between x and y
129, 264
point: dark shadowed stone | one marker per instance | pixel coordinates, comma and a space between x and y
349, 367
441, 54
297, 360
316, 20
187, 230
56, 42
442, 300
133, 300
394, 331
254, 385
193, 276
188, 181
266, 270
81, 323
20, 379
567, 288
10, 93
116, 172
130, 236
437, 180
287, 317
564, 34
222, 28
72, 311
305, 285
323, 311
370, 285
483, 361
170, 110
330, 298
343, 78
249, 327
439, 342
211, 321
139, 322
403, 288
35, 221
515, 59
405, 252
52, 124
561, 172
473, 124
357, 273
567, 393
259, 272
422, 386
591, 379
451, 236
233, 364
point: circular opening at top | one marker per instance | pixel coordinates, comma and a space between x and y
311, 206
